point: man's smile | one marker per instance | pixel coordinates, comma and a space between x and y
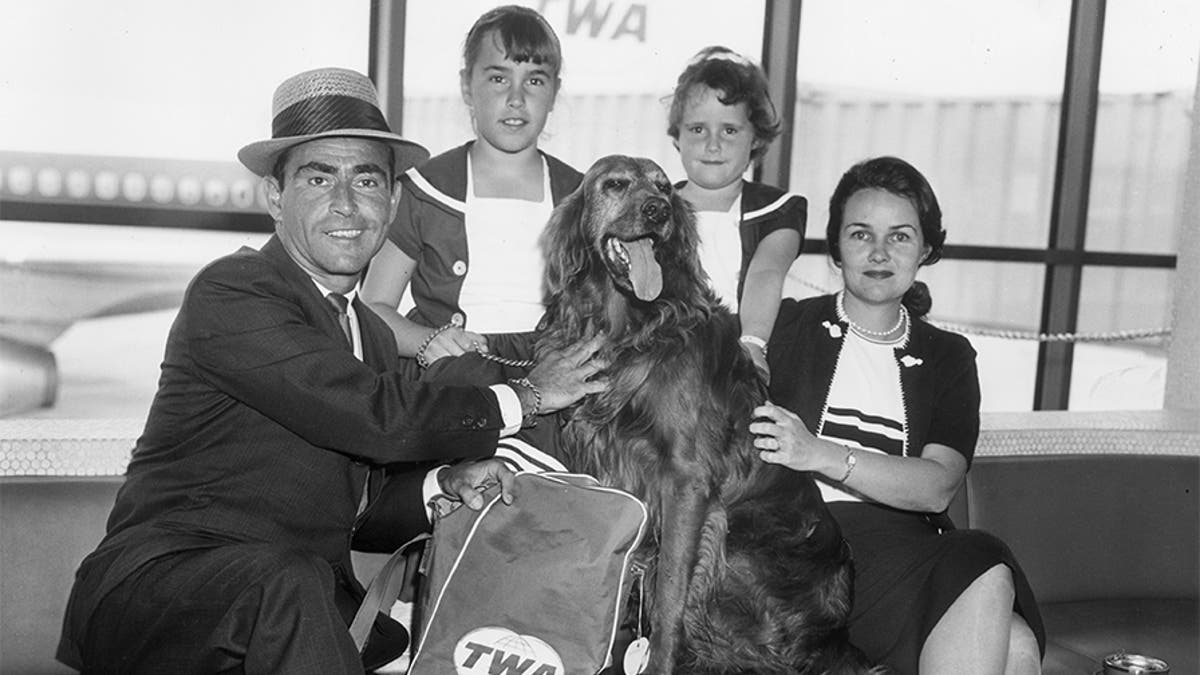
346, 234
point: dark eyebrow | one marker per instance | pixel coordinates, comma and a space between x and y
319, 167
369, 167
322, 167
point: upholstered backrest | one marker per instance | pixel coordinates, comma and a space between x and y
1094, 526
47, 526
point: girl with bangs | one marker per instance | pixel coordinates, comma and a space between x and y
466, 236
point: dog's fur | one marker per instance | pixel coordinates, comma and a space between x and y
750, 573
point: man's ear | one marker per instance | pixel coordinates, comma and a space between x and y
397, 191
274, 193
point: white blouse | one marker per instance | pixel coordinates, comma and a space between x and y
721, 250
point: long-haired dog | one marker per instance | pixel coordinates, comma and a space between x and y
748, 570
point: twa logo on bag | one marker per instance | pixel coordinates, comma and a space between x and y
497, 651
532, 588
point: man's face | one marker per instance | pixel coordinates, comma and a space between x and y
334, 207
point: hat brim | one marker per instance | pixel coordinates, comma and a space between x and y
260, 157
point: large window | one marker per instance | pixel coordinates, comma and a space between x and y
129, 112
972, 94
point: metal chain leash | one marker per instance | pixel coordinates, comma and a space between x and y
1111, 336
512, 363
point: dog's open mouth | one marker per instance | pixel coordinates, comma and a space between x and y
633, 264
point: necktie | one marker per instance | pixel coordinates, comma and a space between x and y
340, 303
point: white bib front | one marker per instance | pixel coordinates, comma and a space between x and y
502, 290
721, 250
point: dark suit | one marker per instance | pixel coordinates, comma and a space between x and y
253, 460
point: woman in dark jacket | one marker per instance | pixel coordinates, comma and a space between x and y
883, 408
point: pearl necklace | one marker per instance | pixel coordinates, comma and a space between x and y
879, 334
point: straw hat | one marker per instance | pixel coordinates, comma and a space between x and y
324, 103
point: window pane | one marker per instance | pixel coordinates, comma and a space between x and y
621, 60
995, 305
967, 92
1143, 125
125, 109
143, 78
1121, 371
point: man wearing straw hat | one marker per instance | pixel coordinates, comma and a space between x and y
228, 547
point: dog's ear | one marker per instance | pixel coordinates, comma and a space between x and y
564, 242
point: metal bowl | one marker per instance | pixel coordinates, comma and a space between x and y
1122, 663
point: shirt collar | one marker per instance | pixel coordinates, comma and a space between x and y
350, 295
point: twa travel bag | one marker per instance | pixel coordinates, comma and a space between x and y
532, 588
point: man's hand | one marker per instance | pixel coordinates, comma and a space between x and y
466, 481
565, 376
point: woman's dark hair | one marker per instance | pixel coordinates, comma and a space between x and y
902, 179
736, 79
522, 33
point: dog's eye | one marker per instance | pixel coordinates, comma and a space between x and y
664, 187
616, 184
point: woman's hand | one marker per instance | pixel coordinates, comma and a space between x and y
782, 438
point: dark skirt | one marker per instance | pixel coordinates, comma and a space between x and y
907, 575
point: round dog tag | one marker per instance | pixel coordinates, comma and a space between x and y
636, 656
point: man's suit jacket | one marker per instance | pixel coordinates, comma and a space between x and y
264, 426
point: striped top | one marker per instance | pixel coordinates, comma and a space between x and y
865, 409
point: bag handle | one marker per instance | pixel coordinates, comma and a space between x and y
385, 587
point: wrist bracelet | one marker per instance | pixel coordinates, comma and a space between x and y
756, 341
851, 462
529, 419
421, 360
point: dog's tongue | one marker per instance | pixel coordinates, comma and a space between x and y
644, 272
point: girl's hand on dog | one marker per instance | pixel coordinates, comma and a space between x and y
759, 357
782, 438
454, 341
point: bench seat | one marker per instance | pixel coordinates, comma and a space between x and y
1101, 510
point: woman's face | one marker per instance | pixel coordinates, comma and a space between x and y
509, 101
882, 246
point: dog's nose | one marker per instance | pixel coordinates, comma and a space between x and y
656, 210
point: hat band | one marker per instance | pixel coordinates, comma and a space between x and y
327, 113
